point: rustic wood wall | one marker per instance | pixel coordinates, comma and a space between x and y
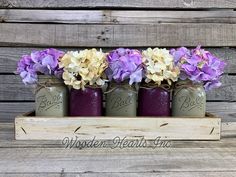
35, 24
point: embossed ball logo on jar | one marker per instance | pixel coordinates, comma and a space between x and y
47, 102
119, 102
188, 103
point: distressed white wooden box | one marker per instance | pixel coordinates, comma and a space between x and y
29, 127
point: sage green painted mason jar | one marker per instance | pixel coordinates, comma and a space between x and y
189, 100
51, 97
121, 100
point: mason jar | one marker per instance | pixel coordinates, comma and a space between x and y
87, 102
51, 97
189, 100
121, 100
153, 101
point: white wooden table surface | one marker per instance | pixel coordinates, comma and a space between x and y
50, 158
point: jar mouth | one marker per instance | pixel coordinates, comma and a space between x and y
117, 82
43, 79
153, 84
92, 87
189, 82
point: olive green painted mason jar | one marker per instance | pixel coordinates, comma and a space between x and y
121, 100
51, 97
189, 100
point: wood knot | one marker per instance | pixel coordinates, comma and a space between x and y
162, 125
105, 39
102, 36
2, 19
115, 21
77, 129
212, 130
23, 130
8, 4
62, 174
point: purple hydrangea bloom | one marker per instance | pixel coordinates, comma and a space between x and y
26, 70
39, 62
199, 66
125, 64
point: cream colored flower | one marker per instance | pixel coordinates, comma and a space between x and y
83, 68
159, 64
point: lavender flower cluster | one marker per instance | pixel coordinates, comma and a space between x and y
125, 64
199, 66
39, 62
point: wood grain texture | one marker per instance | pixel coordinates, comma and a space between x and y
225, 110
115, 16
7, 139
228, 127
10, 55
150, 174
9, 110
117, 35
185, 158
85, 128
52, 160
12, 89
49, 158
118, 4
226, 91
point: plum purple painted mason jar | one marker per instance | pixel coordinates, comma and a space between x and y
153, 101
86, 102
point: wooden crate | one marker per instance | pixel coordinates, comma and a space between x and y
29, 127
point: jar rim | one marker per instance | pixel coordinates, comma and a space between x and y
42, 79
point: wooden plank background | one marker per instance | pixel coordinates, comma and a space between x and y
192, 4
27, 25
